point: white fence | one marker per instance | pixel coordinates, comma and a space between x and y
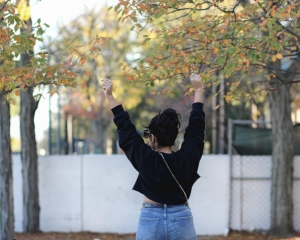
251, 192
93, 193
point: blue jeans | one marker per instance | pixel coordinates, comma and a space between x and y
165, 223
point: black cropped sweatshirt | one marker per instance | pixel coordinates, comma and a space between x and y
154, 179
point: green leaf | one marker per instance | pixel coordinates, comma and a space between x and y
221, 60
152, 84
117, 7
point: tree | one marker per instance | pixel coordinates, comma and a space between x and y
229, 38
31, 208
15, 78
88, 104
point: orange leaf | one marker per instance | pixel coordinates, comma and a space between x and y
88, 73
152, 93
130, 78
83, 85
273, 12
153, 77
243, 55
186, 69
82, 60
174, 51
217, 107
227, 98
27, 76
17, 92
226, 23
177, 70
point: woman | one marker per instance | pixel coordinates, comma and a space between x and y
165, 177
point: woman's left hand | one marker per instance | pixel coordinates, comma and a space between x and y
107, 87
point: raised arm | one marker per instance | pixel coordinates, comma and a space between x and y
129, 140
193, 143
197, 84
107, 89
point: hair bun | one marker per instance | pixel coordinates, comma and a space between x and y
170, 118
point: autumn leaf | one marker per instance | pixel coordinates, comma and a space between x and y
83, 85
17, 92
279, 56
130, 78
227, 98
186, 69
88, 73
273, 12
153, 92
82, 61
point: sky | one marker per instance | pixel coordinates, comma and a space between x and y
54, 13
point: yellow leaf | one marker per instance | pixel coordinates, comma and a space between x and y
294, 48
279, 56
274, 58
17, 92
217, 107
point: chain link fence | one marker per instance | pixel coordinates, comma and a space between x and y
250, 207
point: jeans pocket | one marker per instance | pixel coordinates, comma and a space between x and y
184, 226
147, 228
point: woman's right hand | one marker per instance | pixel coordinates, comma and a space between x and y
196, 81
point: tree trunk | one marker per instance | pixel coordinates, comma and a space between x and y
6, 190
282, 161
31, 208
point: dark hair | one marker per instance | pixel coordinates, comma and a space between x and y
164, 127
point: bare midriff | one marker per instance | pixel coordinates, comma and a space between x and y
147, 200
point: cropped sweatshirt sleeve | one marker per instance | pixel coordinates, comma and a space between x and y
193, 143
129, 140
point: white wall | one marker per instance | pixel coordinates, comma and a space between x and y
93, 193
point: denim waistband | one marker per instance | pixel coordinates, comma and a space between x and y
160, 205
